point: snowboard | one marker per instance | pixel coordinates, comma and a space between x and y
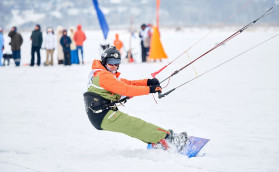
191, 149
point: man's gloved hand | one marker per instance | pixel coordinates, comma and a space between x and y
153, 81
155, 89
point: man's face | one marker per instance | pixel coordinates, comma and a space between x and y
13, 29
36, 28
112, 67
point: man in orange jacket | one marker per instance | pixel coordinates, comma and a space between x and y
79, 38
106, 89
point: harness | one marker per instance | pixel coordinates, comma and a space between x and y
98, 104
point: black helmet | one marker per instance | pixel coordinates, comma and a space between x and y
110, 52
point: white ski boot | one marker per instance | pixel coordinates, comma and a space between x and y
178, 140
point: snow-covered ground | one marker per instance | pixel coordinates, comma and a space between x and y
44, 127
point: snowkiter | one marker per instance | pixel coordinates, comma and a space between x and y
106, 88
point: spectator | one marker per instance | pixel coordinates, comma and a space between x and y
143, 50
16, 42
37, 40
117, 43
65, 41
60, 54
147, 39
1, 45
49, 44
145, 35
79, 38
74, 54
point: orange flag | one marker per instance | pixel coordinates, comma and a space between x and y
156, 48
157, 12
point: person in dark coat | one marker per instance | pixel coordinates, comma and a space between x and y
16, 42
143, 49
65, 41
37, 40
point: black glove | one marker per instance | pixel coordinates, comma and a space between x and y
155, 89
153, 81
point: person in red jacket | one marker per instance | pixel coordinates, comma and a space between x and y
79, 38
106, 89
117, 43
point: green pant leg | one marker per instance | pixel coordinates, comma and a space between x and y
123, 123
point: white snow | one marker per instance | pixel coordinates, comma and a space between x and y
44, 127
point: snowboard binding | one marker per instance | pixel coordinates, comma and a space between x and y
178, 140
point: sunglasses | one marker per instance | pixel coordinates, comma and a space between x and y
114, 65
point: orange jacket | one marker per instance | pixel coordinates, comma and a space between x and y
112, 83
79, 36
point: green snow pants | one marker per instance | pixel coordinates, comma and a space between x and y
123, 123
